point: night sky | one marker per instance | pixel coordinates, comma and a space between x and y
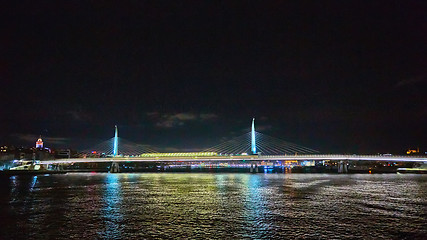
336, 76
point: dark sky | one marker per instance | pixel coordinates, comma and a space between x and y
337, 76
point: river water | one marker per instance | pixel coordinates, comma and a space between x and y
214, 206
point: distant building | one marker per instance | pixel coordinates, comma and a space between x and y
413, 151
42, 154
39, 143
63, 153
7, 153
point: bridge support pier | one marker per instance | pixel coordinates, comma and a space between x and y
58, 167
342, 167
162, 167
114, 167
254, 168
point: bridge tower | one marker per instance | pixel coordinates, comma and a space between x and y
253, 143
116, 142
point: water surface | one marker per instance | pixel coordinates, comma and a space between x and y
197, 205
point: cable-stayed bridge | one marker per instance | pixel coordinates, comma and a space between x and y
252, 146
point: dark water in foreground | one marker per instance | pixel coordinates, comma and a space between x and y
191, 205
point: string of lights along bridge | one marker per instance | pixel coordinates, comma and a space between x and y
252, 142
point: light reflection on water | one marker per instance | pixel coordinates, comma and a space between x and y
192, 205
112, 207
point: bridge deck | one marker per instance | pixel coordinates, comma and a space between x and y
247, 157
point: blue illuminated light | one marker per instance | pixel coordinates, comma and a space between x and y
116, 143
253, 145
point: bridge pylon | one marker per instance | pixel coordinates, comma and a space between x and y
253, 139
116, 142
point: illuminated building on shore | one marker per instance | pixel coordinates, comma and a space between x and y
39, 143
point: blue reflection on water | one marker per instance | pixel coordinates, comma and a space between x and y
220, 184
33, 183
256, 212
113, 218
